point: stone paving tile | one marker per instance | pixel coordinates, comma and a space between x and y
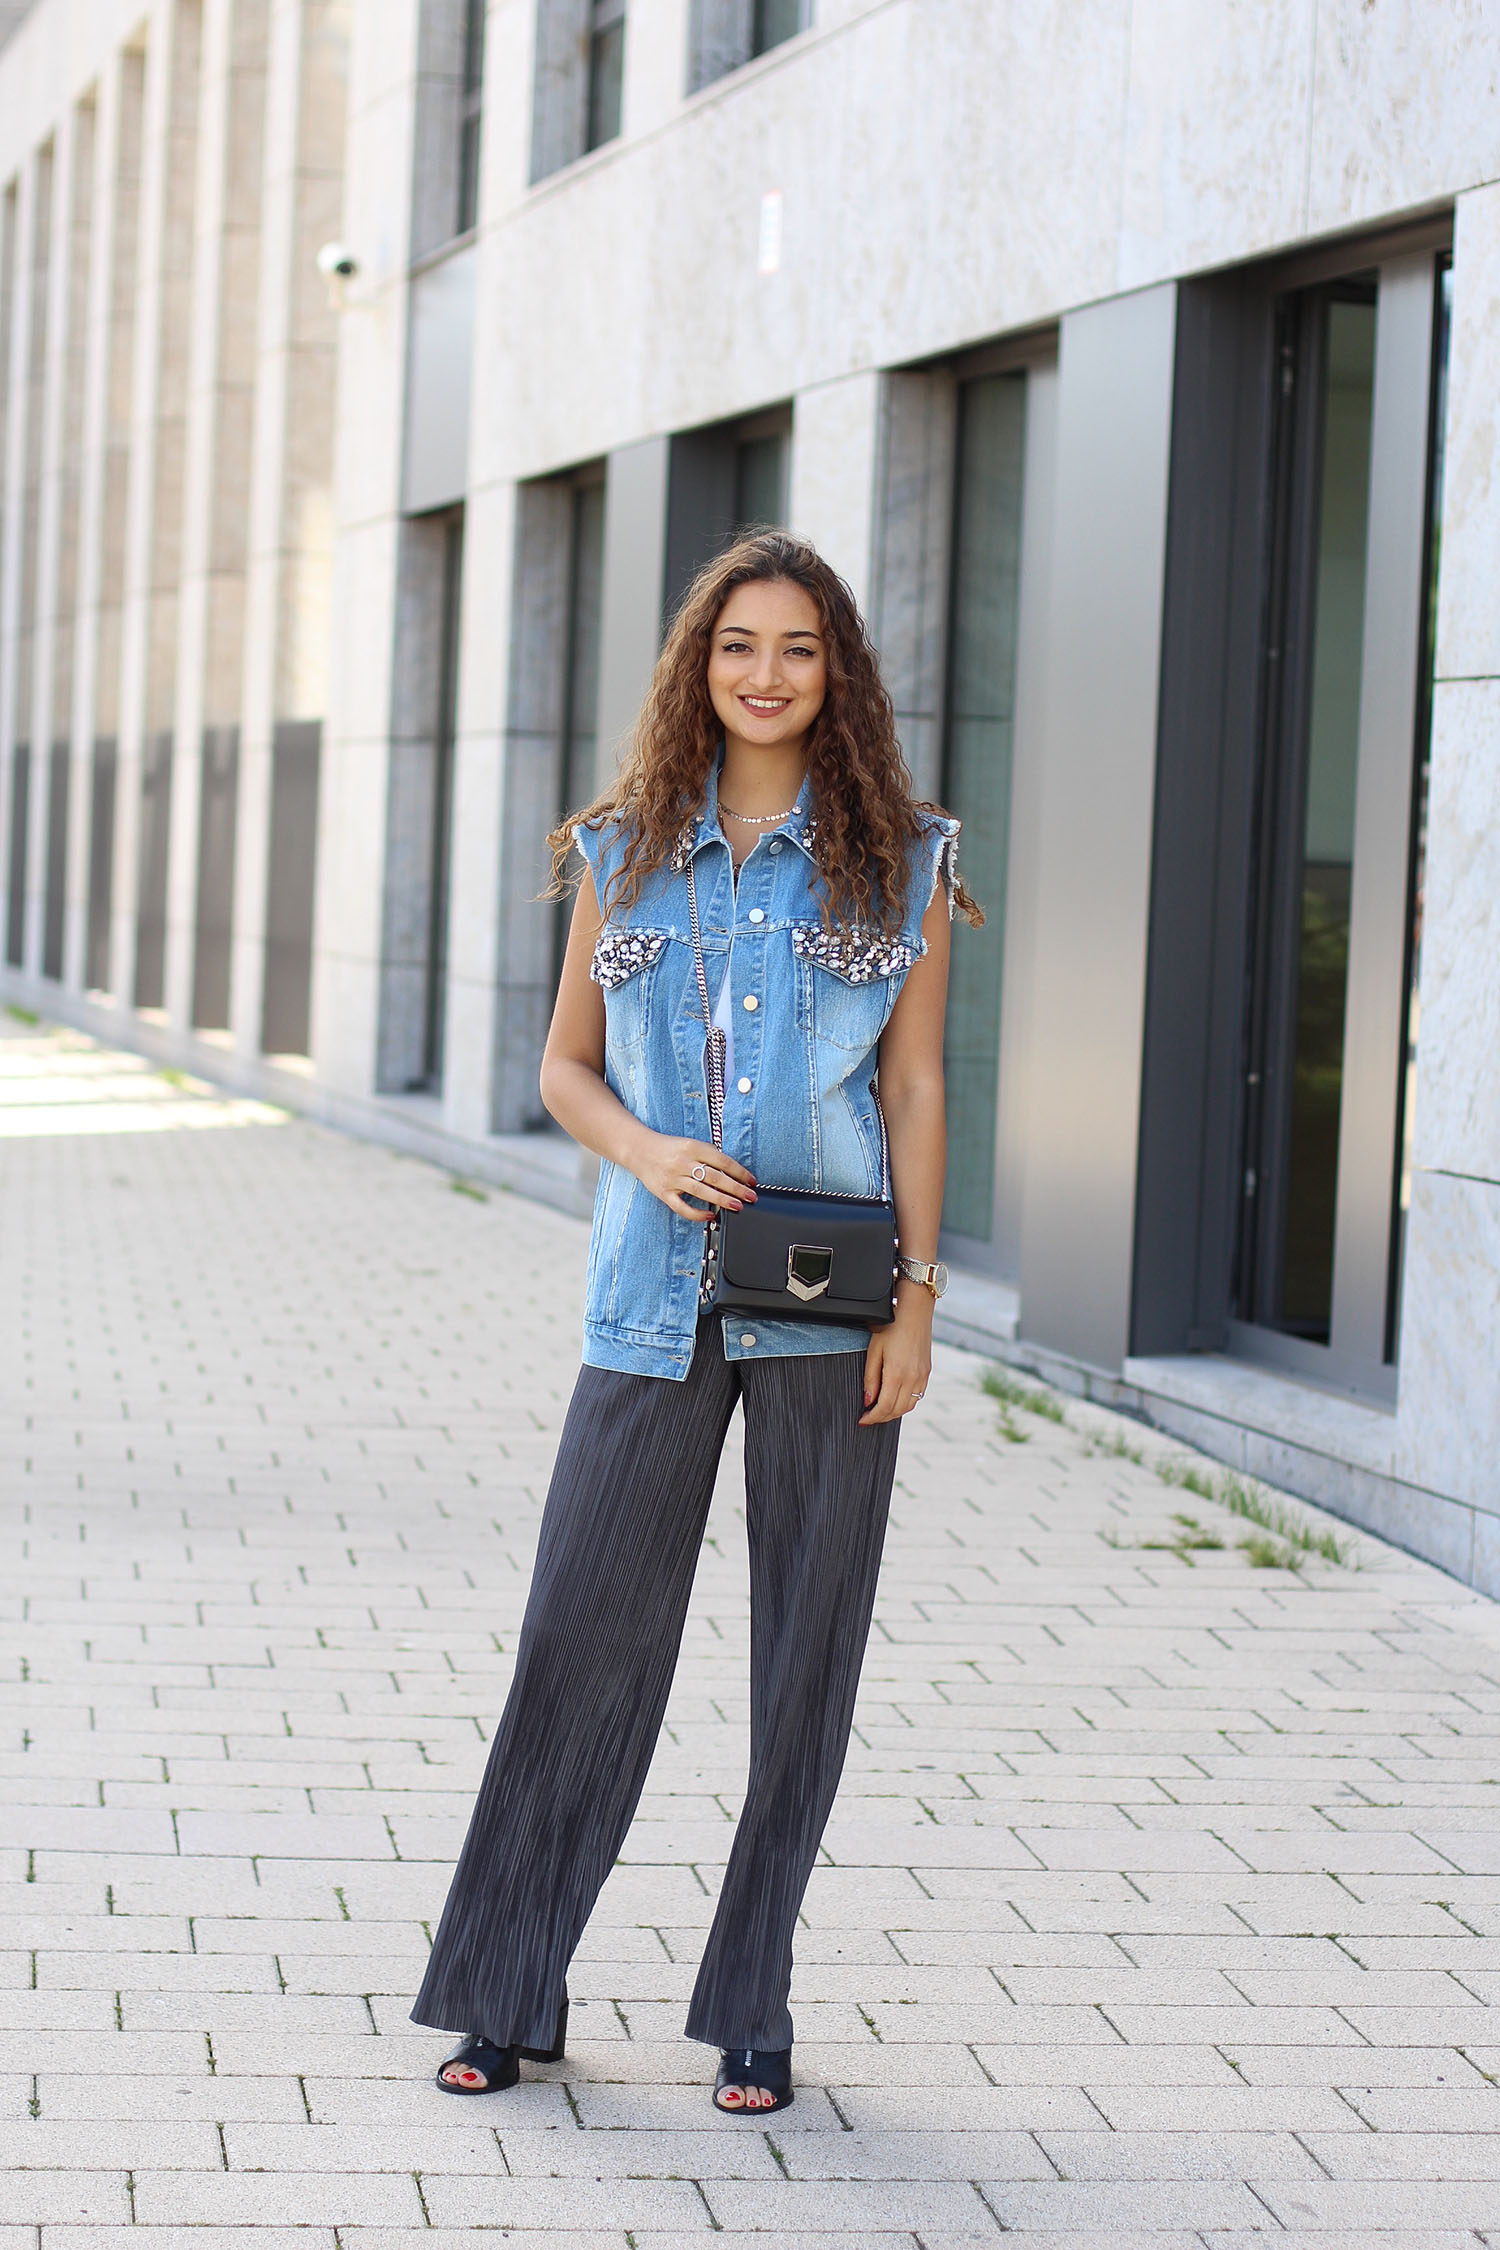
1159, 1905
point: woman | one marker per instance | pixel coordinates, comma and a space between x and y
765, 759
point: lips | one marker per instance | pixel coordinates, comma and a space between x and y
766, 707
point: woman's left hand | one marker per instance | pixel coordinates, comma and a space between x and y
899, 1359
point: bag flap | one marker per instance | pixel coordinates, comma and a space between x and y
754, 1244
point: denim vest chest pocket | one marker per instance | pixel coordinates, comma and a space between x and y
847, 983
623, 967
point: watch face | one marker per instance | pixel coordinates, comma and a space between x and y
940, 1277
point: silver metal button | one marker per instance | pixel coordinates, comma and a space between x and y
748, 1341
744, 1085
776, 844
757, 913
751, 1002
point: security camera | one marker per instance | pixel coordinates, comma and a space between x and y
336, 262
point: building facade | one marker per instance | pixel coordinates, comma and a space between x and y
372, 379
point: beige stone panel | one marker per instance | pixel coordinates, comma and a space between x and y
351, 816
46, 439
1469, 585
835, 447
230, 530
346, 984
1204, 178
656, 46
1458, 1043
383, 58
505, 148
478, 787
1404, 106
1448, 1420
239, 251
45, 73
875, 267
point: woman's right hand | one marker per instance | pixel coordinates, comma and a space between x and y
667, 1168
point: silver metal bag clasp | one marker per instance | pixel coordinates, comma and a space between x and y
809, 1268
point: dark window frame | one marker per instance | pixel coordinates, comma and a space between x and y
1213, 718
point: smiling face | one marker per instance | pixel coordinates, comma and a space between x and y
768, 665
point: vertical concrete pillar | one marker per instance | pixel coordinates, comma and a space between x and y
1092, 889
13, 323
68, 369
475, 884
289, 622
1448, 1411
141, 621
221, 373
93, 343
366, 507
45, 414
635, 560
836, 432
656, 50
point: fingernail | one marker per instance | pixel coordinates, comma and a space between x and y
736, 1206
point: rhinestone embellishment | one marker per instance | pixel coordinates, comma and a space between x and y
948, 866
858, 956
619, 954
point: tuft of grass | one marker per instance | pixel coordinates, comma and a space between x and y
177, 1078
470, 1188
1192, 1533
1119, 1448
1274, 1516
1188, 1478
22, 1015
1266, 1510
1262, 1552
1191, 1537
1001, 1385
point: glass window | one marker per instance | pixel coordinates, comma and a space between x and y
606, 72
978, 753
760, 474
774, 21
1318, 1256
578, 766
470, 115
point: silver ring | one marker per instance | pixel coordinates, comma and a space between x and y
697, 1173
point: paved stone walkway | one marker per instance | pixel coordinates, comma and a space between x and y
1158, 1907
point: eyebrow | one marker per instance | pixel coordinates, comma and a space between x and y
789, 633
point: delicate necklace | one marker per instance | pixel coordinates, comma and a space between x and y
754, 819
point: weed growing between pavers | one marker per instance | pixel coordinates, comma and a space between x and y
1283, 1539
471, 1188
1001, 1385
23, 1015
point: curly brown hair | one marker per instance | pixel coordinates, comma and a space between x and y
867, 818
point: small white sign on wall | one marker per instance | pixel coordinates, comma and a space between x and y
770, 231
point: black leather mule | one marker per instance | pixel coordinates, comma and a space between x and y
743, 2067
499, 2067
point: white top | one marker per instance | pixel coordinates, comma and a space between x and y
724, 1021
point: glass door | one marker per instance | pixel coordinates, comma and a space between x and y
1354, 474
979, 748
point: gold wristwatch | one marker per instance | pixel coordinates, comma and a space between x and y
933, 1277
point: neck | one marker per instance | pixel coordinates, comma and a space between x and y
756, 780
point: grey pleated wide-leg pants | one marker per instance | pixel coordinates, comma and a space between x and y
619, 1544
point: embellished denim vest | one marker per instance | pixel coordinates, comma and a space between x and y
808, 1008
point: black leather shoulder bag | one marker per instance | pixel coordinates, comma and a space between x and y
799, 1253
